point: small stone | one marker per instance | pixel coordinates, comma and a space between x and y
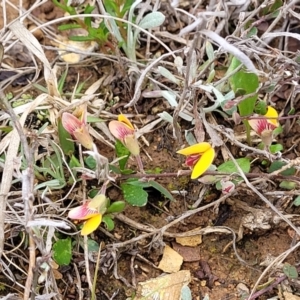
242, 289
203, 282
38, 33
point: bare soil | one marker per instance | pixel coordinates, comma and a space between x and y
215, 268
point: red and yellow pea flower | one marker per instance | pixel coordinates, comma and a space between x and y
199, 157
124, 131
76, 125
91, 212
265, 125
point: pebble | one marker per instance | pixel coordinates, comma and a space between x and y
38, 33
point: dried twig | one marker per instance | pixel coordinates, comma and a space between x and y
151, 231
184, 93
27, 192
280, 258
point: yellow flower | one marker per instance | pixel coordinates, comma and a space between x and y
124, 131
199, 157
91, 211
272, 116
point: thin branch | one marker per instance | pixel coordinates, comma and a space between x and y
152, 231
27, 192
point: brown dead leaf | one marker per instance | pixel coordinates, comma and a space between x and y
188, 253
191, 241
57, 274
166, 287
290, 296
66, 47
171, 260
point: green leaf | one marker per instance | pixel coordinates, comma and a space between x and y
6, 129
292, 111
116, 207
272, 9
88, 21
68, 27
74, 162
126, 7
290, 271
229, 166
277, 165
127, 171
277, 130
93, 193
92, 119
81, 38
93, 246
296, 202
90, 162
252, 31
40, 88
261, 108
167, 74
276, 148
62, 251
161, 189
288, 185
114, 169
134, 195
136, 182
62, 80
110, 7
156, 170
65, 139
210, 52
153, 19
89, 9
109, 223
246, 82
121, 151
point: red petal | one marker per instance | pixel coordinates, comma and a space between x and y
120, 130
261, 124
70, 122
82, 212
191, 160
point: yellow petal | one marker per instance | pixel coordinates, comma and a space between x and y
123, 119
203, 163
195, 149
272, 113
91, 224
